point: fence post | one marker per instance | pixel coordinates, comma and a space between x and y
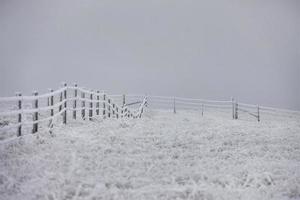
232, 100
83, 105
117, 112
91, 107
75, 101
104, 106
65, 104
258, 117
202, 109
124, 99
98, 103
174, 105
113, 110
108, 108
123, 104
60, 100
126, 113
236, 110
18, 94
35, 114
52, 110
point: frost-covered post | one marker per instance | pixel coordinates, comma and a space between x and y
123, 105
108, 106
91, 106
18, 94
98, 102
65, 104
126, 113
232, 101
113, 110
202, 109
236, 110
75, 101
174, 105
51, 104
60, 101
35, 114
104, 100
258, 117
117, 112
124, 100
83, 105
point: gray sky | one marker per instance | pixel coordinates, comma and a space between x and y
209, 49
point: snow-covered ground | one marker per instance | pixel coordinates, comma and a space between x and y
161, 156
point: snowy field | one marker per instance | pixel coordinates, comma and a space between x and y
161, 156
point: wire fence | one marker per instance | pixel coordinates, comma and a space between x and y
235, 109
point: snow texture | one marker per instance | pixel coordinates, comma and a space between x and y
160, 156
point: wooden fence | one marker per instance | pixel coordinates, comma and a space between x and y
82, 103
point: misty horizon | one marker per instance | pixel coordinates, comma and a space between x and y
249, 50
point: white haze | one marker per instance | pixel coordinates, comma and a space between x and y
209, 49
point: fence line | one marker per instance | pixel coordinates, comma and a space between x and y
69, 100
88, 104
232, 105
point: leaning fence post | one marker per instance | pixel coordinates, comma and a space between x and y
83, 105
75, 101
18, 94
104, 100
65, 104
91, 107
174, 105
35, 114
98, 102
258, 117
236, 110
232, 101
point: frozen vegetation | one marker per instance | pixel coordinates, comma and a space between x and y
161, 156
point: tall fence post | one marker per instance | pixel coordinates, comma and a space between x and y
65, 104
202, 109
98, 103
35, 114
91, 107
174, 105
258, 116
108, 108
236, 110
52, 109
83, 105
75, 101
18, 94
104, 106
232, 101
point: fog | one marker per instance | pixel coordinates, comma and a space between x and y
208, 49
